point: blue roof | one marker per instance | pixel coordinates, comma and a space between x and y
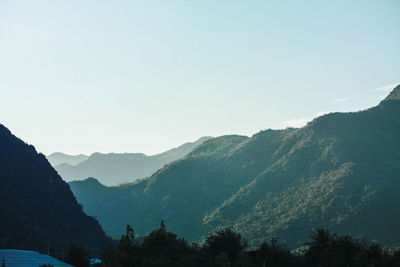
28, 258
93, 261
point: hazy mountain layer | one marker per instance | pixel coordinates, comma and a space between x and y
341, 171
58, 158
37, 208
113, 168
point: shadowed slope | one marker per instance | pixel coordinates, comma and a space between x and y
37, 208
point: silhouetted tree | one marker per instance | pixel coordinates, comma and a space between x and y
225, 241
345, 251
162, 248
126, 241
392, 259
318, 253
322, 238
77, 256
375, 255
162, 226
272, 254
225, 248
111, 257
330, 250
129, 253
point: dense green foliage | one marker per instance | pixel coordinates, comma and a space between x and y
37, 208
163, 249
226, 248
78, 256
341, 171
330, 250
113, 168
225, 242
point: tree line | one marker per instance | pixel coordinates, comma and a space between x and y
226, 248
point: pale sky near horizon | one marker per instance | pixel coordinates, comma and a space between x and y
145, 76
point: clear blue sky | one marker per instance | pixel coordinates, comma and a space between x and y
144, 76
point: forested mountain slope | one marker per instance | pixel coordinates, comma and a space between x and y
341, 171
37, 208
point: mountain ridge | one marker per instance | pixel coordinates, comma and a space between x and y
58, 158
37, 208
339, 171
117, 168
394, 94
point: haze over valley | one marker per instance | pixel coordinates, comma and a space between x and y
115, 168
199, 133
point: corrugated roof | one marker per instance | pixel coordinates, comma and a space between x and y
28, 258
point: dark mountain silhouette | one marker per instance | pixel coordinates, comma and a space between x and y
37, 208
58, 158
341, 171
114, 168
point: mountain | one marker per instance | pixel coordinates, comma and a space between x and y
394, 94
58, 158
37, 208
341, 171
113, 168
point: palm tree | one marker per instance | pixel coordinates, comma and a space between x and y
322, 238
319, 252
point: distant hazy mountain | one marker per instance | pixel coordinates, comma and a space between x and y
113, 168
341, 171
58, 158
37, 208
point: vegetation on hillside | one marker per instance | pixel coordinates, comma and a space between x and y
225, 247
37, 208
341, 171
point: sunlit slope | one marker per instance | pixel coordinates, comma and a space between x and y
340, 171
